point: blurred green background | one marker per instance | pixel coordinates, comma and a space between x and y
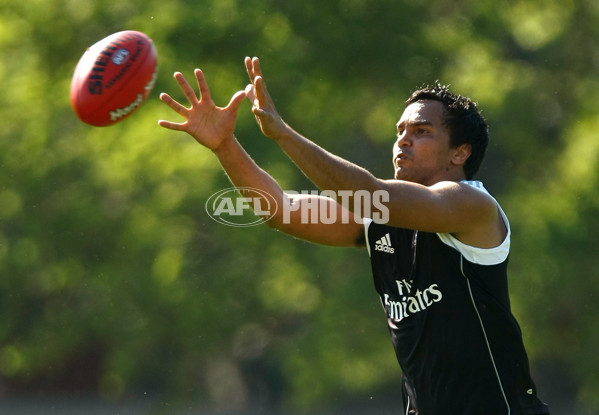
117, 287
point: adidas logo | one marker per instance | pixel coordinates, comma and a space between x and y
384, 245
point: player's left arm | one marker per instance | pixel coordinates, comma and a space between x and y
469, 214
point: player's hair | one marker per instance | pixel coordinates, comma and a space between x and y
462, 118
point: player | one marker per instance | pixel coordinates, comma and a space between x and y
439, 258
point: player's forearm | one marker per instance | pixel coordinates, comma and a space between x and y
243, 171
326, 170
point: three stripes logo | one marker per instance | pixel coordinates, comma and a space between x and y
384, 245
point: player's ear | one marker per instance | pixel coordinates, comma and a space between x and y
461, 154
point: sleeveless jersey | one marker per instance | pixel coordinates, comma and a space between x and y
448, 313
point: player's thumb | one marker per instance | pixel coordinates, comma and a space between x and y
236, 101
249, 93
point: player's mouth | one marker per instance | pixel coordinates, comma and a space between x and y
399, 159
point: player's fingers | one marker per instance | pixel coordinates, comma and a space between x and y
168, 100
172, 125
260, 113
203, 85
261, 92
257, 70
248, 68
186, 88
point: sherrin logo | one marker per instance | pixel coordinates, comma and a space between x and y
234, 206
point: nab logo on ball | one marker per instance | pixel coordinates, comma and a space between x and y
120, 56
241, 206
113, 78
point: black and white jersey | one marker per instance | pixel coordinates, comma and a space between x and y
448, 312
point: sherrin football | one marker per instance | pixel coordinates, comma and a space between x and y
113, 78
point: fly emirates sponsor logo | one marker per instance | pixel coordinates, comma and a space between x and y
410, 304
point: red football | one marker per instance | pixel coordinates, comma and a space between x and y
113, 78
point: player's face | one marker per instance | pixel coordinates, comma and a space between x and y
422, 153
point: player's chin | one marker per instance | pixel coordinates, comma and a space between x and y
400, 174
403, 174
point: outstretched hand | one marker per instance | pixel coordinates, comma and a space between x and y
208, 124
263, 107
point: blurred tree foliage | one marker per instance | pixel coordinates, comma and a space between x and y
113, 278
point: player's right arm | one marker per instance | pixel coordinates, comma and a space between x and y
298, 215
213, 127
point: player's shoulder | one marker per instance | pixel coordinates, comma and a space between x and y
460, 185
470, 189
474, 184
